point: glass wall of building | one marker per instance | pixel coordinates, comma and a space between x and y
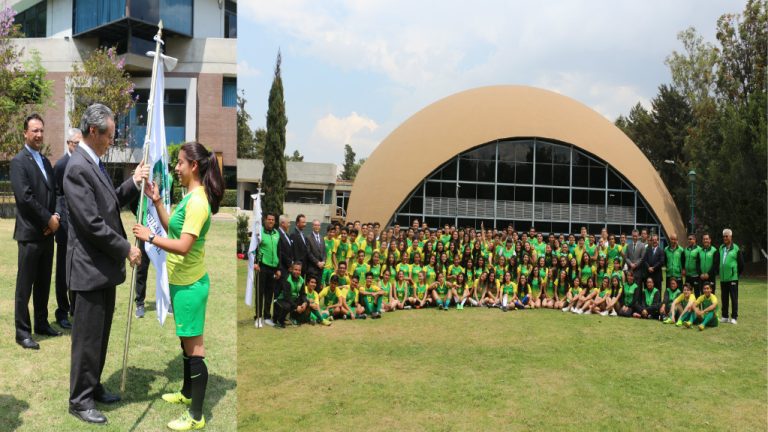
552, 186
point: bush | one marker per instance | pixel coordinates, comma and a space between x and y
230, 198
243, 240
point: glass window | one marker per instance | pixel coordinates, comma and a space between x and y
560, 196
596, 176
543, 174
229, 92
467, 169
441, 190
89, 14
446, 172
561, 175
560, 228
516, 151
580, 176
230, 19
506, 172
524, 173
33, 20
174, 113
523, 193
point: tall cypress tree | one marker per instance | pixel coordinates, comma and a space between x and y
274, 178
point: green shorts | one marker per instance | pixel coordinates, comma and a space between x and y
189, 303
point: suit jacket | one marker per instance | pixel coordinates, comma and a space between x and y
316, 252
300, 248
97, 245
655, 260
61, 200
635, 254
35, 196
284, 253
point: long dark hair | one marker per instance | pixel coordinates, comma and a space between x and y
208, 169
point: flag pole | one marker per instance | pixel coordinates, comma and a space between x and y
257, 291
140, 211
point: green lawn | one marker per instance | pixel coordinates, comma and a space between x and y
34, 385
483, 369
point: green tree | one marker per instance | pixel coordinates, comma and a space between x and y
260, 141
295, 157
348, 170
23, 87
274, 177
102, 78
245, 141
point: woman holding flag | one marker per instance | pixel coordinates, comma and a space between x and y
187, 226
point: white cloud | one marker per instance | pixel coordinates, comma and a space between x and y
342, 130
245, 70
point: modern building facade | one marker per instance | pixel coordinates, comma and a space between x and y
513, 155
200, 95
312, 189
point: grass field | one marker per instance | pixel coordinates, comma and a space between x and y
34, 385
482, 369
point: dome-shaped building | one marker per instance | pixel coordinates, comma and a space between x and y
512, 155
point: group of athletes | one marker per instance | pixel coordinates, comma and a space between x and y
368, 271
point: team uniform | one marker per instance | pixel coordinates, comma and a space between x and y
188, 280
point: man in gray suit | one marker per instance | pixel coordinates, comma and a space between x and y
316, 254
634, 255
96, 253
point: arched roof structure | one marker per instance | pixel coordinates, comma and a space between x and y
470, 118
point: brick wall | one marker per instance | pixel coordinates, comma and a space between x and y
55, 116
216, 125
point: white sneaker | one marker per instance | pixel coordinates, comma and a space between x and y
733, 320
725, 320
565, 309
613, 313
269, 322
589, 312
407, 307
574, 310
257, 323
604, 313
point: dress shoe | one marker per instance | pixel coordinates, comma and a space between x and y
106, 397
91, 415
47, 331
28, 343
64, 323
140, 311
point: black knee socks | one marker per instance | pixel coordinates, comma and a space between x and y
186, 387
198, 375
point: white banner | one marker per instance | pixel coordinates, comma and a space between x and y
254, 246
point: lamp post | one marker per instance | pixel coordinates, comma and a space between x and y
692, 178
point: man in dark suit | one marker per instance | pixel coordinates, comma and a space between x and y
64, 306
285, 260
316, 253
299, 244
634, 255
654, 261
36, 221
96, 253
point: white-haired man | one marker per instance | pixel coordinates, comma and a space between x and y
731, 266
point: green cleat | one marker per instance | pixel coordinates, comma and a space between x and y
177, 398
668, 321
186, 423
687, 324
459, 307
325, 322
701, 327
679, 323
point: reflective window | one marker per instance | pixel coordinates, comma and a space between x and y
528, 182
32, 20
89, 14
230, 19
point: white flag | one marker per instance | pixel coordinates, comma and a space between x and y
254, 246
158, 160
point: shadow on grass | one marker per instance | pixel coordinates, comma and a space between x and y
139, 381
10, 411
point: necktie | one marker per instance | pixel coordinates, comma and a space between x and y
103, 169
39, 161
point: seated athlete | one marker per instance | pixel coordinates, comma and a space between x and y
459, 288
471, 291
373, 297
649, 301
398, 292
313, 313
441, 290
508, 292
587, 294
629, 297
599, 303
290, 299
562, 294
523, 293
670, 294
351, 300
331, 298
418, 296
684, 303
706, 309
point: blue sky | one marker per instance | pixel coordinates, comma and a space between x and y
354, 70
